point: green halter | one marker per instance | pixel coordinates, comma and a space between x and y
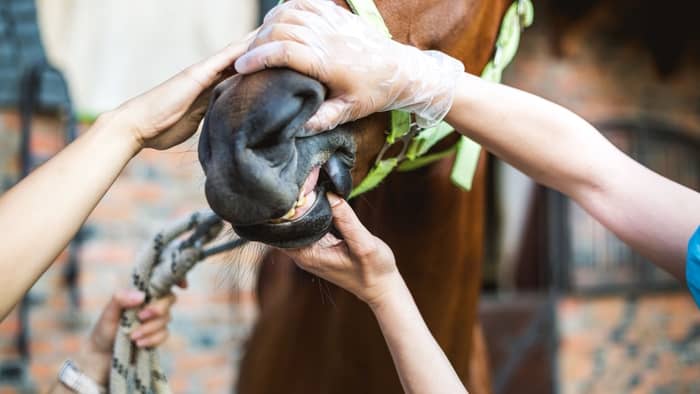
417, 142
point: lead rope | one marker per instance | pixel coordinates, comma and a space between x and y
166, 261
161, 264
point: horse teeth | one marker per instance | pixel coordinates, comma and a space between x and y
300, 202
290, 214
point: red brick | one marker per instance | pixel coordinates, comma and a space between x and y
9, 325
11, 120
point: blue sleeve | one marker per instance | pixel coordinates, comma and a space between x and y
692, 266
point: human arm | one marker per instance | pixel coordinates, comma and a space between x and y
364, 265
42, 213
95, 357
654, 215
557, 148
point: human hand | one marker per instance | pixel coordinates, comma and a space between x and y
171, 112
365, 71
96, 358
360, 263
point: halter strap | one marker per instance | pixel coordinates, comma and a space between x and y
416, 141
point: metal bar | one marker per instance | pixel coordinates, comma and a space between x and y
28, 97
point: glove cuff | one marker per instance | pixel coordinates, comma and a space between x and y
434, 89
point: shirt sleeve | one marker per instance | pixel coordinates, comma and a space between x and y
692, 266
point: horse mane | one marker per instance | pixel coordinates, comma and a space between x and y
666, 29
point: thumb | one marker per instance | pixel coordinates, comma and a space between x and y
122, 299
354, 233
208, 70
330, 114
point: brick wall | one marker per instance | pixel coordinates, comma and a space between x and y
210, 318
617, 343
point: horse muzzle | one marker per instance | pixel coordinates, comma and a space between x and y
264, 173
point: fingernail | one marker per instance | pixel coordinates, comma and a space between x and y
240, 64
333, 199
141, 343
135, 335
145, 314
135, 296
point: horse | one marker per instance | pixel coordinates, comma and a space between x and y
311, 336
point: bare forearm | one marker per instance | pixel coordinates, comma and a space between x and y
548, 142
43, 212
420, 362
557, 148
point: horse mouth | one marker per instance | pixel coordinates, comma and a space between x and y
308, 194
265, 173
310, 216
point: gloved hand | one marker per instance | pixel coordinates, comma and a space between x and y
364, 70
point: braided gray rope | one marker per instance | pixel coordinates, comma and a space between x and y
162, 263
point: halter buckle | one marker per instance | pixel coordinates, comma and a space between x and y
405, 143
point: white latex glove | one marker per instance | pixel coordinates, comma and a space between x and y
365, 71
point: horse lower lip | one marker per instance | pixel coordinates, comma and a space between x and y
295, 234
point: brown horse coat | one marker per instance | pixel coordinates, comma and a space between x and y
312, 337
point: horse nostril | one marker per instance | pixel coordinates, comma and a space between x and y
249, 147
268, 142
273, 126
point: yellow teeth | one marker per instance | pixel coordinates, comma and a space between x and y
300, 202
290, 214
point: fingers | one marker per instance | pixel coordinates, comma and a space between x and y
289, 54
329, 115
313, 6
122, 299
102, 336
307, 257
157, 308
359, 240
206, 72
154, 323
153, 340
327, 252
283, 32
147, 331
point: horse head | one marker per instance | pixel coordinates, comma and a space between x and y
267, 177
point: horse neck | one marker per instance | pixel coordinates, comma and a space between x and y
464, 29
436, 233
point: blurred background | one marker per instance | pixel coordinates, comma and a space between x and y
565, 305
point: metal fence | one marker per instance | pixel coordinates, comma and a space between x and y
592, 260
29, 84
